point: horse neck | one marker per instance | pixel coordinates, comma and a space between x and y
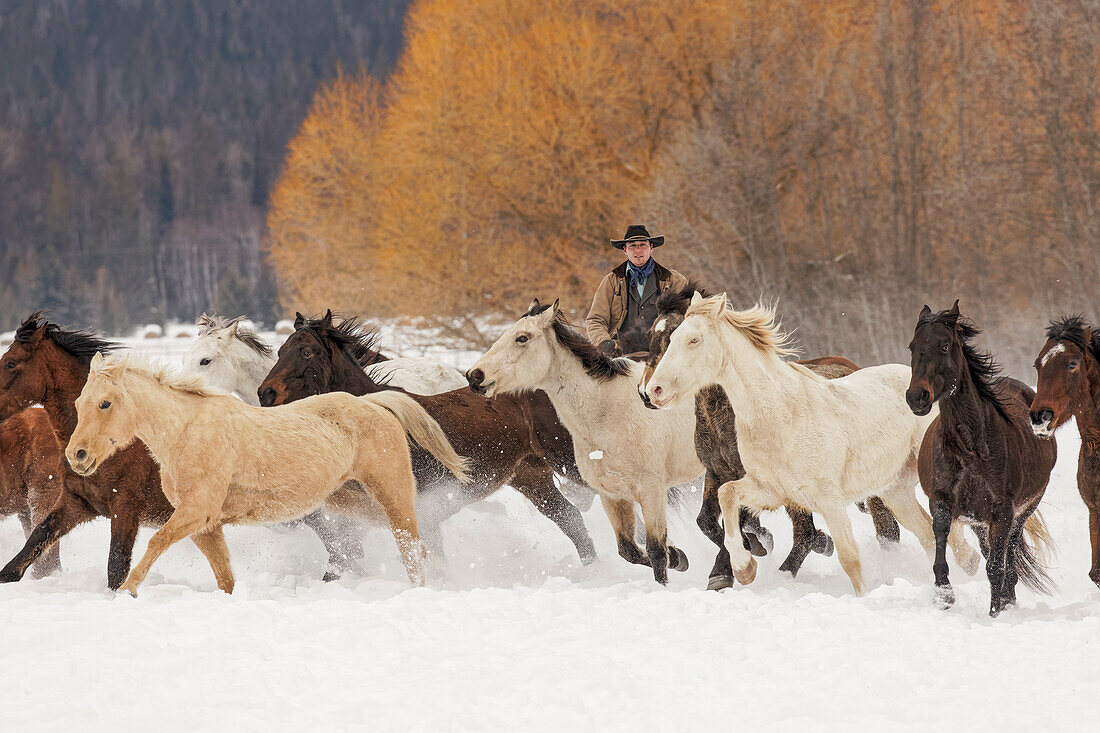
966, 417
65, 380
348, 376
161, 413
574, 393
1087, 411
758, 385
251, 372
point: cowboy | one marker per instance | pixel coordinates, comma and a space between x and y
625, 304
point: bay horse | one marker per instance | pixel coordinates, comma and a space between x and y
980, 460
31, 472
1068, 366
817, 443
225, 462
516, 440
48, 365
629, 454
716, 446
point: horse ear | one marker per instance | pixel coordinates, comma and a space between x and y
97, 361
925, 311
554, 308
696, 298
38, 335
233, 328
327, 320
299, 320
723, 302
954, 309
534, 304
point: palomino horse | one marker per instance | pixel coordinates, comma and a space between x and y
48, 365
817, 443
225, 462
980, 460
31, 472
1069, 386
716, 445
235, 359
515, 439
627, 453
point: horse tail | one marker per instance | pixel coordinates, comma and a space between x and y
422, 428
1031, 554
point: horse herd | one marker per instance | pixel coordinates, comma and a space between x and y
332, 432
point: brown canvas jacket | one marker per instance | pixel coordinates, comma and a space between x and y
608, 310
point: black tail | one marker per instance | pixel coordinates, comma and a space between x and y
1030, 570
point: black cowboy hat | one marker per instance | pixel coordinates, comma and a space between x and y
637, 233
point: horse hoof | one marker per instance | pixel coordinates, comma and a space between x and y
330, 576
823, 544
720, 582
945, 597
753, 544
677, 559
10, 577
747, 574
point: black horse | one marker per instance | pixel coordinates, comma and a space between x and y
980, 460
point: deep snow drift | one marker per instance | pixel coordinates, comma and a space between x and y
514, 634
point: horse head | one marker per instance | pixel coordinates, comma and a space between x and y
521, 356
938, 361
105, 417
228, 356
671, 307
1066, 365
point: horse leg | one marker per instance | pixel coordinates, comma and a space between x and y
341, 542
886, 527
967, 557
1094, 537
124, 528
941, 528
185, 521
806, 538
742, 563
840, 527
49, 561
535, 480
996, 565
211, 543
758, 540
394, 488
721, 576
621, 515
661, 555
902, 502
68, 512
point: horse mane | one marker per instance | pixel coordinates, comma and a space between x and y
984, 369
596, 364
168, 375
1075, 329
83, 344
677, 301
351, 335
756, 323
214, 322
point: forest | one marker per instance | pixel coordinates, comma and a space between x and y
451, 160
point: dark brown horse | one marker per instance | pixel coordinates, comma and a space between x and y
716, 446
516, 440
980, 460
31, 470
1069, 386
49, 365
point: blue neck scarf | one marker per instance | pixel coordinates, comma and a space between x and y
638, 275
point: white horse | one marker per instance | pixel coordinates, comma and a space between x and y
233, 358
808, 441
628, 453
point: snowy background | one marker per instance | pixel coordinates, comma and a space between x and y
513, 633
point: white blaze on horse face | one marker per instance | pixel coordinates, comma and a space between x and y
1054, 351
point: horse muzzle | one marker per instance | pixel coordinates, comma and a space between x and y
1042, 423
478, 385
919, 400
81, 462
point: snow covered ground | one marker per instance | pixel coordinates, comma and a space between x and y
514, 634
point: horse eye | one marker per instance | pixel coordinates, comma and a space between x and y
204, 361
1072, 365
945, 348
694, 340
104, 404
307, 352
522, 339
10, 365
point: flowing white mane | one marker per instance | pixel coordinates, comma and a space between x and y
116, 366
756, 323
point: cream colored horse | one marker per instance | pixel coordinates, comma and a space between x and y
628, 453
225, 462
808, 441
